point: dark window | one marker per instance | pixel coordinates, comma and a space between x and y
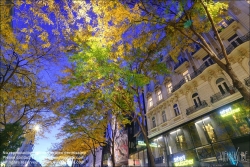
196, 99
176, 110
222, 85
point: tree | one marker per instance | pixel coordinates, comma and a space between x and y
11, 138
27, 32
118, 81
83, 128
174, 25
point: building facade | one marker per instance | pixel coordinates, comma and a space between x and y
195, 116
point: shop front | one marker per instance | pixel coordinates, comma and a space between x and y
220, 138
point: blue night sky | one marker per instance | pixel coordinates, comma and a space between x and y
49, 76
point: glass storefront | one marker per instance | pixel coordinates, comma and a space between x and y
204, 141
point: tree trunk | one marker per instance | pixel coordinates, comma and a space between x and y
113, 154
238, 84
150, 154
94, 160
228, 69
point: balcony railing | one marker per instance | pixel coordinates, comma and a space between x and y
247, 81
177, 86
180, 62
199, 70
218, 96
192, 76
234, 44
195, 108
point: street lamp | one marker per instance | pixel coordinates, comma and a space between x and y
36, 128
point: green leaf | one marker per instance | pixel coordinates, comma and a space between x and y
187, 24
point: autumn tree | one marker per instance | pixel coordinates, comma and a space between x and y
175, 25
118, 80
84, 126
32, 35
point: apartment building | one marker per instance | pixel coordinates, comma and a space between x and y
195, 116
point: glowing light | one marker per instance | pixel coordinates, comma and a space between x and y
174, 131
229, 111
184, 163
141, 143
158, 138
179, 158
181, 161
36, 128
202, 120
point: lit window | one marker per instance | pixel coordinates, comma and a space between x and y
150, 102
170, 88
186, 75
176, 110
153, 122
164, 118
159, 95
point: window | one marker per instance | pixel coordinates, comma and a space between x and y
150, 102
196, 99
222, 85
176, 110
164, 118
186, 75
153, 122
169, 87
159, 95
207, 61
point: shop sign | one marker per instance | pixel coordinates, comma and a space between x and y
141, 143
229, 111
182, 161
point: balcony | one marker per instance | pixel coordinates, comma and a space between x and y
177, 86
218, 96
227, 28
247, 81
234, 44
195, 108
192, 76
181, 65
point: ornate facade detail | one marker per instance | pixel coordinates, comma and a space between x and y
210, 78
203, 77
243, 52
232, 60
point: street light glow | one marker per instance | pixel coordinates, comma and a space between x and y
36, 128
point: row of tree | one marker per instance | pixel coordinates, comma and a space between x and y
117, 47
122, 54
